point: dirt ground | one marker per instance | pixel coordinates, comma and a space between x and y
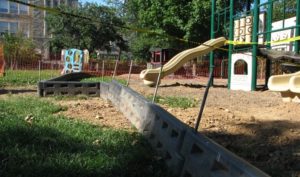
257, 126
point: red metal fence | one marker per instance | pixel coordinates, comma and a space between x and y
189, 70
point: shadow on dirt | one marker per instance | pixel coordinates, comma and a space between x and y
190, 85
272, 146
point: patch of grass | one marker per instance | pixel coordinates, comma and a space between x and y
77, 97
26, 77
105, 79
175, 102
53, 146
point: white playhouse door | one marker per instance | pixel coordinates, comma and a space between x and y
241, 71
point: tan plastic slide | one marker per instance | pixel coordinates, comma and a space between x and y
287, 84
150, 75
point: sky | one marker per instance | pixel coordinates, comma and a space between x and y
94, 1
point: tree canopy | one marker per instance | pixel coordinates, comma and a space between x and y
184, 19
95, 32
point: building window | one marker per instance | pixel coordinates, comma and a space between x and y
3, 6
23, 8
13, 27
3, 27
9, 27
48, 3
55, 3
13, 8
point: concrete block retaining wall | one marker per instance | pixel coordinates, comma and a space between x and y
186, 153
69, 85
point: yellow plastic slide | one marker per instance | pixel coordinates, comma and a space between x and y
287, 84
150, 75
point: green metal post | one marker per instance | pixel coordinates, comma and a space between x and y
254, 46
297, 28
212, 36
231, 39
268, 38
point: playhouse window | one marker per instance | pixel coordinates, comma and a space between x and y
240, 67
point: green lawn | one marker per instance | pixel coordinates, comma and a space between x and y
53, 145
32, 77
104, 79
26, 77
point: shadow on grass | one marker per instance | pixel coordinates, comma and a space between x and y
14, 91
272, 146
43, 151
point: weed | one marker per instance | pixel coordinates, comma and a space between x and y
175, 102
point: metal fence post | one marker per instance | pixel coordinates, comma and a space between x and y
129, 74
115, 70
39, 70
204, 100
158, 80
102, 70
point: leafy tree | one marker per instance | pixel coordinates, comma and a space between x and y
97, 31
184, 19
18, 48
279, 9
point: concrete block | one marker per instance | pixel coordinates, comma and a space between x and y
114, 93
166, 136
135, 107
104, 90
205, 158
68, 88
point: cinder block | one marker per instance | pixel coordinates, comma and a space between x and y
205, 158
114, 92
68, 88
134, 107
104, 90
166, 136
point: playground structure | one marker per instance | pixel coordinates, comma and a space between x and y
2, 62
247, 32
74, 60
288, 85
251, 29
150, 76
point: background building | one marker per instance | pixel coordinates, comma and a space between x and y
31, 22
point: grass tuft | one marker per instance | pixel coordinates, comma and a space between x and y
175, 102
105, 79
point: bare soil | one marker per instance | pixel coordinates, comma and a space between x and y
257, 126
96, 111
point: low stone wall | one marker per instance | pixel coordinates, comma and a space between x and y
186, 153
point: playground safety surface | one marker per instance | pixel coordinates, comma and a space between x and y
257, 126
